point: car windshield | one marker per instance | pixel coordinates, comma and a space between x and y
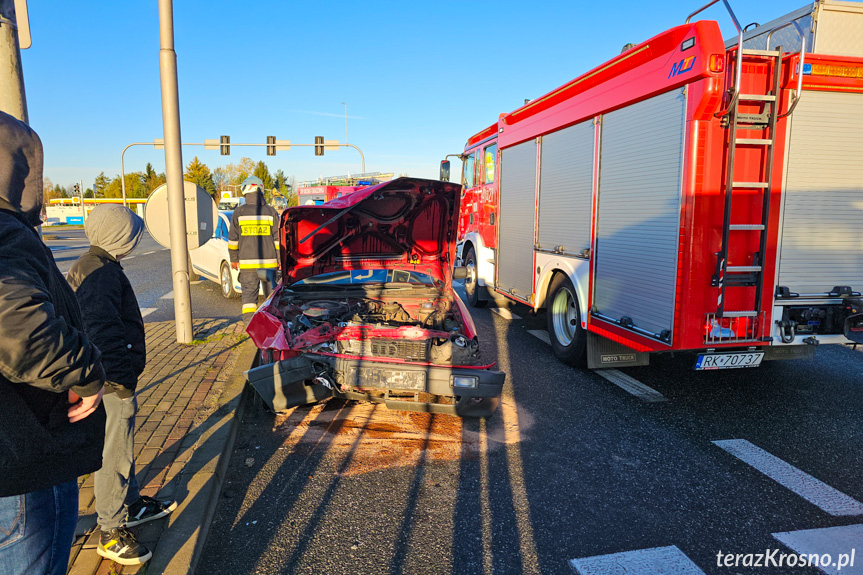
366, 277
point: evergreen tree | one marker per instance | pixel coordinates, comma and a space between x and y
197, 172
100, 185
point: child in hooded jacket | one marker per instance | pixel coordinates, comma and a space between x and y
112, 320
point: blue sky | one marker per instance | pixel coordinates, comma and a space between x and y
419, 77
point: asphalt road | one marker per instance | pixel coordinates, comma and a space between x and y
149, 271
571, 467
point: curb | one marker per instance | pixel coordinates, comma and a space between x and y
182, 541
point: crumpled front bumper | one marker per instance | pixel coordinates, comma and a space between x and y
291, 382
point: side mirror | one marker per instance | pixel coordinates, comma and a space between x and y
444, 171
459, 273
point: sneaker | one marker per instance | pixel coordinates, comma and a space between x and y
120, 545
147, 509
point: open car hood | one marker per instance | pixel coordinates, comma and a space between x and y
405, 224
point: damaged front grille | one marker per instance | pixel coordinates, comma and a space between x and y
400, 349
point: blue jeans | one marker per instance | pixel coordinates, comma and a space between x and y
37, 529
115, 485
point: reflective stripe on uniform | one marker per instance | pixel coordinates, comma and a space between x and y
261, 219
249, 307
233, 244
269, 265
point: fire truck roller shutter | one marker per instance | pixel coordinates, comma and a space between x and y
566, 189
517, 207
822, 221
638, 213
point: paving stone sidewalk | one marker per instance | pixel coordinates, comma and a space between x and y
187, 399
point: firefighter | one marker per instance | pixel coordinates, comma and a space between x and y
253, 243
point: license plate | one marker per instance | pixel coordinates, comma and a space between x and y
384, 378
729, 360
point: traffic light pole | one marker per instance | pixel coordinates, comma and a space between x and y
159, 143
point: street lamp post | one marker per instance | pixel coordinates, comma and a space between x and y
174, 173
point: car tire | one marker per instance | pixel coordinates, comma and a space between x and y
226, 282
471, 284
568, 338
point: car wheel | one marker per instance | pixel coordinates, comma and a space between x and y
568, 338
471, 285
227, 282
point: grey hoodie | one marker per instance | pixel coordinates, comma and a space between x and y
20, 170
115, 229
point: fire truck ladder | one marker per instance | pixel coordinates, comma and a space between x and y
752, 275
730, 276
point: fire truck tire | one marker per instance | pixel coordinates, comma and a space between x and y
568, 338
471, 285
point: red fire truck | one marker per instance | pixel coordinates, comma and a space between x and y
690, 194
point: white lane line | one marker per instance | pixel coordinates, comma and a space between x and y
841, 543
812, 490
618, 378
505, 313
148, 253
540, 334
169, 295
631, 385
147, 311
658, 560
128, 258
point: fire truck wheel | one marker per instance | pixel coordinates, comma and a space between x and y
471, 286
568, 338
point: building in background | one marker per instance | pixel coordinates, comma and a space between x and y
72, 212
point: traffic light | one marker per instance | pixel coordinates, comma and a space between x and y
271, 145
319, 145
77, 189
225, 145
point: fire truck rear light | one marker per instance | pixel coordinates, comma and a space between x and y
717, 63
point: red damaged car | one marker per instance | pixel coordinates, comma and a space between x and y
366, 308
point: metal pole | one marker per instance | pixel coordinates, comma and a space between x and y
13, 100
174, 173
346, 122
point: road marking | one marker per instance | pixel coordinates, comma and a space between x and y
665, 560
61, 248
540, 334
169, 295
147, 311
631, 385
812, 490
148, 253
505, 313
833, 540
128, 258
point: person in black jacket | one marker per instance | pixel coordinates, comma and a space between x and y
253, 244
52, 423
113, 320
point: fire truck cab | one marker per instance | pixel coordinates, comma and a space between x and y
692, 194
